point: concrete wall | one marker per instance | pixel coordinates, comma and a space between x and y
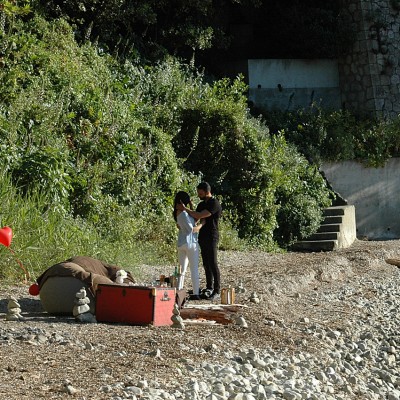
375, 193
293, 84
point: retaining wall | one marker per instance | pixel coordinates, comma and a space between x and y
276, 84
375, 193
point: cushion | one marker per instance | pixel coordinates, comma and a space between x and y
59, 284
57, 295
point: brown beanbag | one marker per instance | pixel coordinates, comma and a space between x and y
59, 284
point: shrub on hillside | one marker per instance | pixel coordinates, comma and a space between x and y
301, 197
74, 132
337, 135
255, 173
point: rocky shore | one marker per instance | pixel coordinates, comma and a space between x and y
326, 327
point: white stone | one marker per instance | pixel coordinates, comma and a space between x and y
212, 396
254, 298
106, 389
373, 387
321, 376
137, 391
12, 304
89, 346
290, 395
81, 294
87, 317
175, 310
69, 389
391, 360
258, 363
247, 368
156, 353
391, 350
240, 321
14, 311
394, 395
271, 388
333, 334
79, 302
219, 388
80, 309
143, 384
177, 322
259, 391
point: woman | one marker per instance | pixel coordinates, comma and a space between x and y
188, 249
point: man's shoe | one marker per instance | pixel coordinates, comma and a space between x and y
206, 293
194, 297
214, 296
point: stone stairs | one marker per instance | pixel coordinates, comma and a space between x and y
337, 230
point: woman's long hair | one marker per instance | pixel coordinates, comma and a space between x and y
181, 197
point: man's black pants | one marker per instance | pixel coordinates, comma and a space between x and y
210, 263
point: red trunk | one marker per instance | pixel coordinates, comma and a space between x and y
136, 305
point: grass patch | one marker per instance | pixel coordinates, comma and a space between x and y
43, 236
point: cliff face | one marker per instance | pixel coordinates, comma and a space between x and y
370, 71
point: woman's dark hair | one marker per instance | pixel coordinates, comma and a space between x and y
180, 197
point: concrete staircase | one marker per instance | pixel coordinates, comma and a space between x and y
338, 230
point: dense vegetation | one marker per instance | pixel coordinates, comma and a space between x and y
93, 149
212, 29
337, 135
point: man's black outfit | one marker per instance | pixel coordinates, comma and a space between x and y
208, 240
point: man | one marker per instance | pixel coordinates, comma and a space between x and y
208, 212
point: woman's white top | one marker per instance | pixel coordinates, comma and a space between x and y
186, 236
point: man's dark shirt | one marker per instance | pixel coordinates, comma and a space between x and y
210, 229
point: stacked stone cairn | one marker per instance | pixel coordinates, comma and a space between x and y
81, 310
240, 288
177, 321
254, 298
13, 310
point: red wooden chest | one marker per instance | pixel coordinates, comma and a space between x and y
136, 305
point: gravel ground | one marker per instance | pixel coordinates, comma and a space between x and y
326, 327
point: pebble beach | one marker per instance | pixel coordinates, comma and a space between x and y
326, 327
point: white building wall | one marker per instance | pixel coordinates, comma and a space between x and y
290, 84
293, 73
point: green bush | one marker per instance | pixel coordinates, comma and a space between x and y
248, 167
302, 199
68, 130
45, 168
75, 132
317, 134
337, 135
